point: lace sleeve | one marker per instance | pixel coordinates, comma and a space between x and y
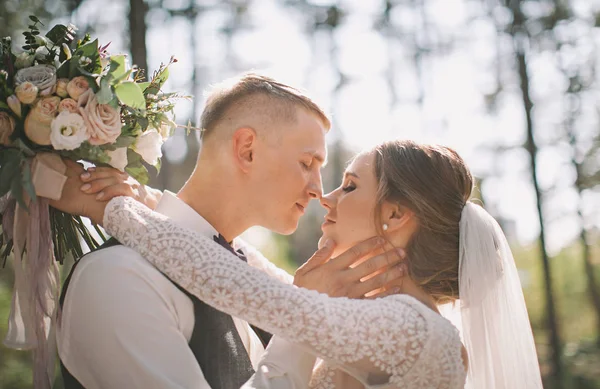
257, 260
396, 338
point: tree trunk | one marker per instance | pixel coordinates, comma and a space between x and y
137, 33
519, 36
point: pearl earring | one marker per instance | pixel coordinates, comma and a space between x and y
385, 227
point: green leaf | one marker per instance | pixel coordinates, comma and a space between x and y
59, 34
16, 189
27, 181
105, 94
163, 76
144, 85
9, 171
3, 105
34, 19
124, 141
135, 168
129, 93
118, 66
89, 50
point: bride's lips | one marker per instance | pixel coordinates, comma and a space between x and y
328, 222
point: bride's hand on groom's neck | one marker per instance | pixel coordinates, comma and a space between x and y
343, 277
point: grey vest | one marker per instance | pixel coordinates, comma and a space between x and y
215, 343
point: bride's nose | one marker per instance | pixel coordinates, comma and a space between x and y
328, 201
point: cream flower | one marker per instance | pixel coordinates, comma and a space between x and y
149, 146
77, 86
61, 87
103, 121
118, 158
26, 92
24, 60
39, 119
68, 131
42, 76
68, 105
14, 104
7, 126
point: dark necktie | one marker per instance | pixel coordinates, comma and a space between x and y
223, 242
264, 336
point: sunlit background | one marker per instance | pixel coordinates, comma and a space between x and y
457, 72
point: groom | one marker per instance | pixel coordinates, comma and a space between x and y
126, 325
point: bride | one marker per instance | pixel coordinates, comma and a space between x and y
414, 196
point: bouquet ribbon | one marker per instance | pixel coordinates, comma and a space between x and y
34, 305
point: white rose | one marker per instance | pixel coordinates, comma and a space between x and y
149, 146
26, 92
68, 131
118, 158
24, 60
42, 76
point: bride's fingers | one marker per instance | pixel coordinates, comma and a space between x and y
372, 245
100, 184
123, 189
383, 292
319, 257
96, 173
375, 263
377, 282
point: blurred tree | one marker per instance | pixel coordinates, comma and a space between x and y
522, 40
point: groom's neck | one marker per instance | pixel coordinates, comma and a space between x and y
218, 201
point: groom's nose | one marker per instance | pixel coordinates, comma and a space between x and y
315, 186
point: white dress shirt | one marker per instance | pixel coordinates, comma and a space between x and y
125, 325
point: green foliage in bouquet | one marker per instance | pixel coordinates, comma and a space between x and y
71, 98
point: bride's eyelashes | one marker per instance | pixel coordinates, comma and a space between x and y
348, 188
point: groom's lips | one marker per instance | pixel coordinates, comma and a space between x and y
300, 207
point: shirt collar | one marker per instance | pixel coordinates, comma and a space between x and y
184, 215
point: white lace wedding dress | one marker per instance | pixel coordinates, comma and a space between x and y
392, 342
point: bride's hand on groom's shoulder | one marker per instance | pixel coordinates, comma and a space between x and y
350, 274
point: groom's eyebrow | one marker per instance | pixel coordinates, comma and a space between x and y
318, 156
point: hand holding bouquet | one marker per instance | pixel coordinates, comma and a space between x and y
64, 98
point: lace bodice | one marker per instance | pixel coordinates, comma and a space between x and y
395, 341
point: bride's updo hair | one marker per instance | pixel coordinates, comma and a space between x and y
434, 182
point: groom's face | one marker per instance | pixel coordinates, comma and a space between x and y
288, 172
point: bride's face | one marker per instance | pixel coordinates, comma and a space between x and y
350, 207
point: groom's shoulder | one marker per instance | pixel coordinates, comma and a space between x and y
115, 264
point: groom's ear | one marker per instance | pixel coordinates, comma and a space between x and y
243, 144
396, 216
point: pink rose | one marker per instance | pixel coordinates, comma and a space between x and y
103, 121
77, 86
7, 126
37, 123
68, 105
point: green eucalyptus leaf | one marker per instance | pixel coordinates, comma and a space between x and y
105, 94
130, 94
118, 66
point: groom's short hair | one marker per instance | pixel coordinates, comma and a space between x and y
257, 94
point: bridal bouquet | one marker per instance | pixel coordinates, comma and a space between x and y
64, 98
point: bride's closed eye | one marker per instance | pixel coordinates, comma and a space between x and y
349, 187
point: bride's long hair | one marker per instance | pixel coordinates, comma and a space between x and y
434, 182
459, 255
